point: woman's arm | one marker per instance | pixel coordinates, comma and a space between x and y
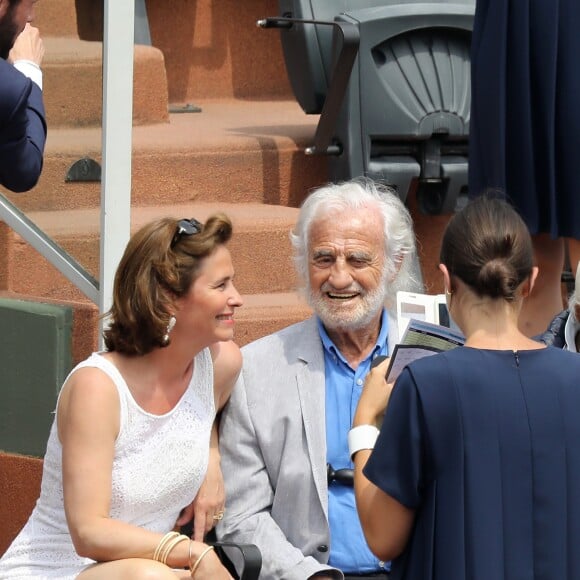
386, 522
209, 503
210, 500
88, 425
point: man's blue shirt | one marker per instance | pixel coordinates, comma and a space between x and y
348, 549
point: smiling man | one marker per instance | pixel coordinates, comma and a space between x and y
284, 432
22, 117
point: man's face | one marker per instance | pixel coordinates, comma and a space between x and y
14, 15
347, 269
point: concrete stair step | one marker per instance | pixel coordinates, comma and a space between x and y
263, 314
57, 18
73, 84
429, 234
212, 48
232, 152
260, 246
20, 478
218, 43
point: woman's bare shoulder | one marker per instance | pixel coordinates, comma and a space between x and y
227, 360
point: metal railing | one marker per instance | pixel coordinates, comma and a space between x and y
115, 220
58, 257
119, 24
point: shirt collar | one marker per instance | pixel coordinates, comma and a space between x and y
381, 342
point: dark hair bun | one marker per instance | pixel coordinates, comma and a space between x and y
487, 246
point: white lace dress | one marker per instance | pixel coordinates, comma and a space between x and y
160, 462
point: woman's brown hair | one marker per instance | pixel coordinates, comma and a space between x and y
159, 264
487, 245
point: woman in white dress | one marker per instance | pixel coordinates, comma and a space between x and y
133, 447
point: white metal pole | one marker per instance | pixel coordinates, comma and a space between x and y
119, 25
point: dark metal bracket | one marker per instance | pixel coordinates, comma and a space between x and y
187, 108
350, 37
84, 169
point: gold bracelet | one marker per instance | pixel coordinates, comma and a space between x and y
166, 538
169, 547
190, 554
199, 559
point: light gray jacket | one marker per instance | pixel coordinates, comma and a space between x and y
273, 448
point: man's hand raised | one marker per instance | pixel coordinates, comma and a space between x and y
28, 46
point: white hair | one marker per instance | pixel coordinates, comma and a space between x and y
575, 296
400, 252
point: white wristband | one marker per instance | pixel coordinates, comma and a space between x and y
29, 69
362, 437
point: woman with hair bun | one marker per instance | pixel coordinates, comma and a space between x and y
134, 439
476, 469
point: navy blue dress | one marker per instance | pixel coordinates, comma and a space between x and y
485, 446
525, 117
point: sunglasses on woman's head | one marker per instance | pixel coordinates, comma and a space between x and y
186, 228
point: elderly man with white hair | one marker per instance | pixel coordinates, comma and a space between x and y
283, 440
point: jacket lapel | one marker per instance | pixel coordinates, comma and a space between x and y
311, 391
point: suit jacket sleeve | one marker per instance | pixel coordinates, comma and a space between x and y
249, 497
22, 130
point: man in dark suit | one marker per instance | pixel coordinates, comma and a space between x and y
22, 118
